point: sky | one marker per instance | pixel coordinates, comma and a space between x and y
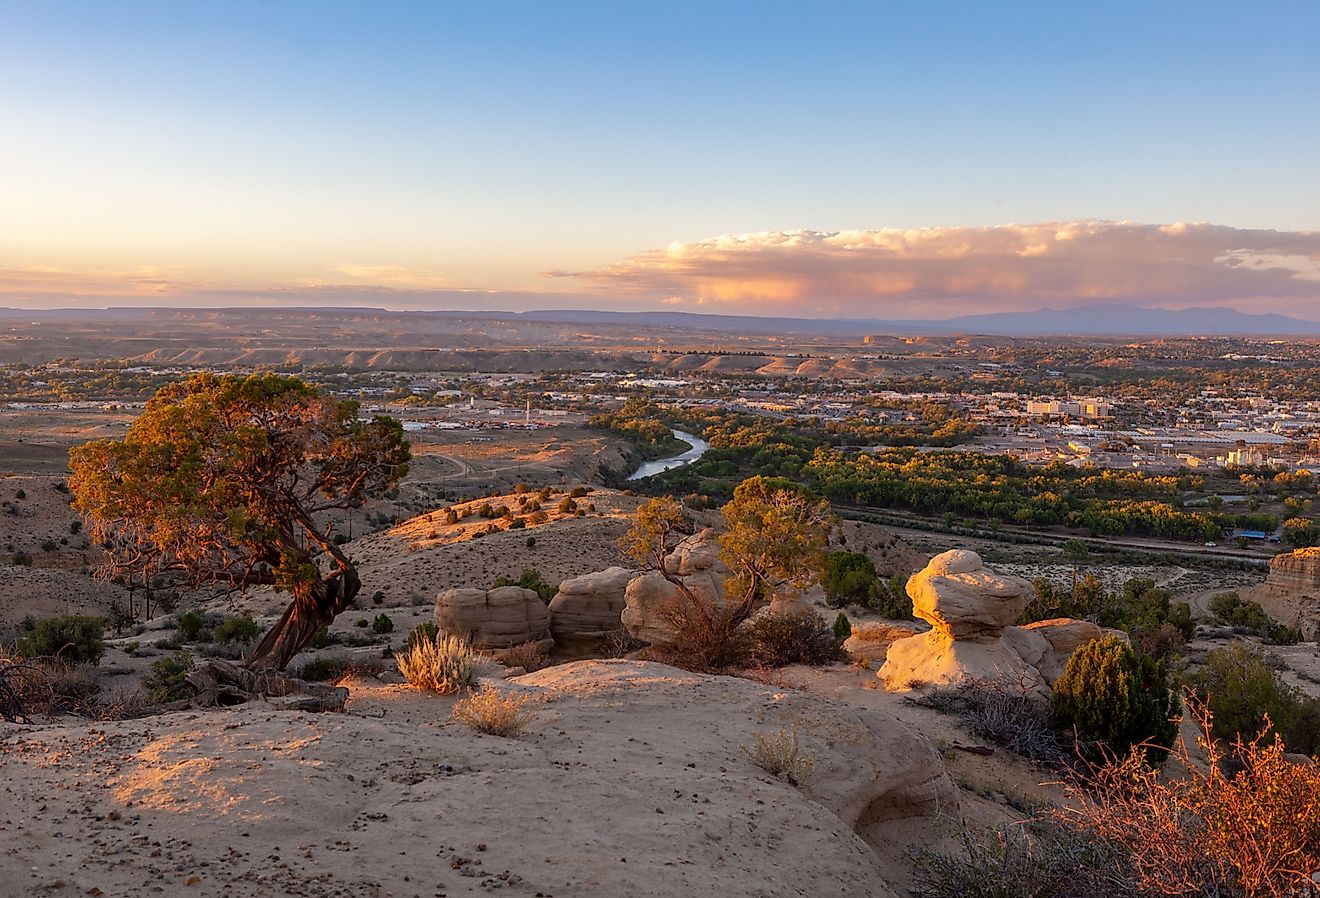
875, 159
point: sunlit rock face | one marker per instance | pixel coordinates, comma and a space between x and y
970, 609
494, 618
1291, 592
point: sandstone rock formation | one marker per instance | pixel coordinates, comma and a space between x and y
494, 618
871, 641
1291, 592
696, 562
970, 609
587, 609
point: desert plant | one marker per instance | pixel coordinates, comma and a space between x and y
74, 639
320, 669
529, 656
444, 664
1115, 700
777, 640
320, 639
189, 624
494, 712
426, 630
1031, 859
382, 623
1002, 711
237, 629
531, 579
166, 683
1254, 833
1232, 610
780, 755
1244, 693
842, 627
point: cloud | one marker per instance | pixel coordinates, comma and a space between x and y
937, 272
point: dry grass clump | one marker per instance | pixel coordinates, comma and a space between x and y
781, 756
494, 712
49, 687
1005, 712
529, 656
445, 664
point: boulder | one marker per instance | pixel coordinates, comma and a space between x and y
870, 641
962, 599
1065, 635
587, 609
494, 618
969, 608
696, 563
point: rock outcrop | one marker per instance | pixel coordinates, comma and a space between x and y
696, 562
1291, 592
870, 641
970, 609
494, 618
587, 610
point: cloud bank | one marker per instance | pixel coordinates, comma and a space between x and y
889, 273
940, 272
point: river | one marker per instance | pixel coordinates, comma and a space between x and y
699, 447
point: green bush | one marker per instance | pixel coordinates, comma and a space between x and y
74, 639
237, 629
847, 578
425, 632
319, 669
1115, 700
189, 624
842, 627
377, 597
383, 623
1241, 687
531, 579
166, 683
1231, 610
321, 639
777, 640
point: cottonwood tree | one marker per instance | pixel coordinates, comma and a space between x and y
226, 480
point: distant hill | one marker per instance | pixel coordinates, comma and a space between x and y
1110, 320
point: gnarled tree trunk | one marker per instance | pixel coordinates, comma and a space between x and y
304, 617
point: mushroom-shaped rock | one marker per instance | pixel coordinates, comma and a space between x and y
963, 599
699, 552
969, 608
494, 618
587, 609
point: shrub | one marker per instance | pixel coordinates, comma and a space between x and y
377, 597
531, 579
1231, 610
493, 712
847, 578
578, 492
22, 559
237, 629
842, 627
74, 639
1244, 693
780, 755
567, 506
321, 639
531, 542
320, 669
1208, 831
1033, 859
1115, 701
49, 545
800, 637
529, 656
360, 622
189, 624
445, 664
166, 683
1003, 712
382, 623
425, 630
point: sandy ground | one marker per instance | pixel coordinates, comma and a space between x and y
631, 779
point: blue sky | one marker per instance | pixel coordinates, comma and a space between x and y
185, 150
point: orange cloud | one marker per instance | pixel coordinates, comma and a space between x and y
932, 272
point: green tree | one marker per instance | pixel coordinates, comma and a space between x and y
1078, 553
226, 480
1115, 700
775, 542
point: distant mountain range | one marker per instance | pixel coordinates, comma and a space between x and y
1096, 320
1106, 320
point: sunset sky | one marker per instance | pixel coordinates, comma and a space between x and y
887, 160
